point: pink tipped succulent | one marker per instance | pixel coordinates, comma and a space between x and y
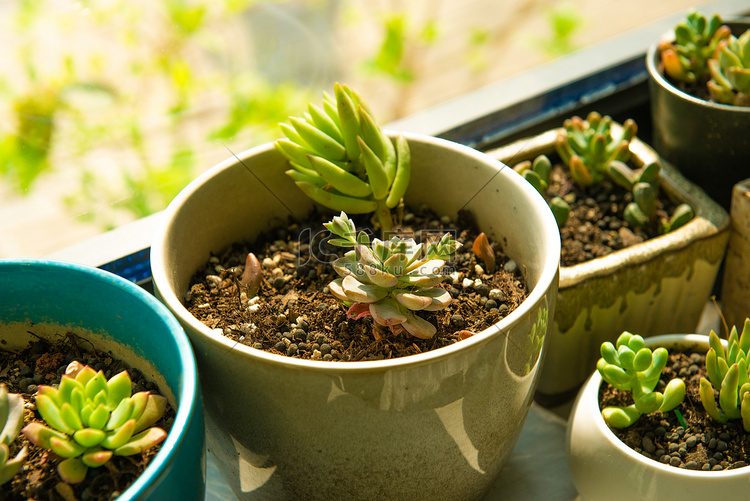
390, 280
93, 418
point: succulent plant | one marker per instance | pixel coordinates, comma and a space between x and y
645, 187
686, 58
11, 421
93, 418
730, 71
390, 280
343, 160
727, 371
587, 146
630, 366
537, 173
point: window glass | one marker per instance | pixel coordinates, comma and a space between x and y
109, 107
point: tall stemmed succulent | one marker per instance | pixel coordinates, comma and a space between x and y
686, 58
588, 148
727, 371
630, 366
11, 421
537, 173
390, 280
343, 160
644, 184
93, 418
730, 71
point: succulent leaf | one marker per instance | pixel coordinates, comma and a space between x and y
72, 470
121, 436
674, 393
629, 365
9, 467
141, 442
11, 421
89, 437
402, 174
418, 326
156, 406
620, 417
387, 313
96, 458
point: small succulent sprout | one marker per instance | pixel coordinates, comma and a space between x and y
682, 215
343, 160
588, 148
11, 421
629, 365
92, 418
685, 59
390, 280
727, 371
537, 173
644, 184
639, 212
484, 251
252, 276
730, 71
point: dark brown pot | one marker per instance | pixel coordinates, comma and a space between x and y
708, 142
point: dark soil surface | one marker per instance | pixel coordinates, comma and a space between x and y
295, 315
702, 444
596, 226
698, 90
43, 362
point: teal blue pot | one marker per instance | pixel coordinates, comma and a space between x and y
51, 298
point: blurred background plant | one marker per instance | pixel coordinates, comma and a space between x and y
108, 108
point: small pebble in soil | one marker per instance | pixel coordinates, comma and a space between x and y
458, 321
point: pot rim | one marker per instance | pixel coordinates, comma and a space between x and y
547, 278
594, 383
710, 218
186, 393
653, 70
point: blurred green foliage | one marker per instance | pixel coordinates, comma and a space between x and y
564, 21
129, 100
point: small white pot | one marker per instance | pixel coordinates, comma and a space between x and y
604, 468
438, 425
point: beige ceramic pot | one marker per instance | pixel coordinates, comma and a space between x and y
438, 425
659, 286
603, 467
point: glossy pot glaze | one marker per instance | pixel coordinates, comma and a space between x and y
52, 298
437, 425
631, 288
604, 468
708, 142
